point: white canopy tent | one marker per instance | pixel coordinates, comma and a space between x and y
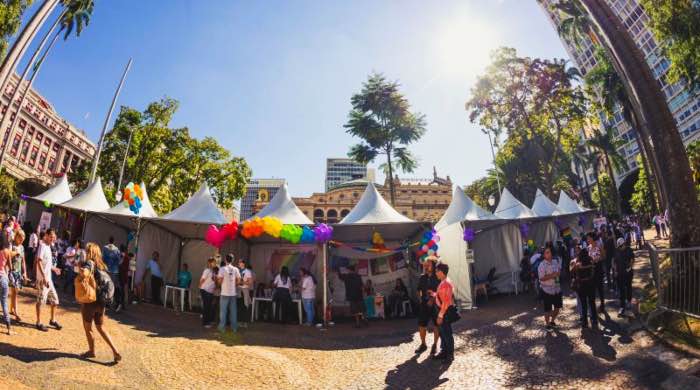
511, 208
372, 208
56, 194
544, 229
281, 206
568, 205
178, 237
543, 207
90, 200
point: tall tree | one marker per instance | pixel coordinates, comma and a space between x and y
11, 12
671, 166
676, 23
168, 160
535, 104
606, 145
640, 197
381, 117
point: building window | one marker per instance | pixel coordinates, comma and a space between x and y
32, 157
25, 150
344, 213
332, 216
318, 216
47, 142
42, 161
15, 144
55, 147
52, 164
22, 123
39, 136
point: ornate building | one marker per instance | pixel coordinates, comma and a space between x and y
418, 199
43, 145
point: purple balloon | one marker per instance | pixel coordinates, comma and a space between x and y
323, 232
524, 229
469, 234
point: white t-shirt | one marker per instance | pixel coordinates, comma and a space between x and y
247, 276
230, 274
33, 240
209, 285
534, 258
550, 286
45, 262
278, 282
308, 288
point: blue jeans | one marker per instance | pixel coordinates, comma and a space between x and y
309, 310
4, 291
227, 304
447, 341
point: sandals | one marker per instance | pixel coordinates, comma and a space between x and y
117, 358
42, 327
87, 355
55, 325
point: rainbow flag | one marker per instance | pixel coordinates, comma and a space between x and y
290, 258
567, 233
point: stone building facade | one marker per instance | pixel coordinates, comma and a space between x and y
418, 199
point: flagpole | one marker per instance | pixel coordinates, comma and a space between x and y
96, 161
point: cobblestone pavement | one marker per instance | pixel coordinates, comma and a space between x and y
499, 345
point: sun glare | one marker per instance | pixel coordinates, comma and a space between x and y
463, 46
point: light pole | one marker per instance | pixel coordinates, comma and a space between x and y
118, 194
493, 156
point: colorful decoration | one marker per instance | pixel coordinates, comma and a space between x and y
230, 230
291, 233
252, 228
323, 233
428, 245
47, 204
531, 245
307, 235
524, 229
377, 240
557, 222
130, 236
469, 234
133, 193
566, 233
216, 237
24, 197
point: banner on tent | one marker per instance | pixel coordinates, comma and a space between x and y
598, 222
44, 221
377, 266
292, 259
22, 212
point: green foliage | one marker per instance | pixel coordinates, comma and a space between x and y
8, 189
481, 189
676, 24
169, 161
575, 24
76, 17
10, 19
537, 107
382, 119
694, 156
640, 201
605, 87
606, 200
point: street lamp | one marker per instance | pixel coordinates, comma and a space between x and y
493, 156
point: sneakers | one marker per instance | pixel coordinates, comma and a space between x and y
552, 324
42, 327
56, 325
421, 349
549, 327
621, 313
433, 350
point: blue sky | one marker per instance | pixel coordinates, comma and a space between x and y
272, 80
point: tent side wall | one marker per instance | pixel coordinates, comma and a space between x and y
543, 231
453, 252
152, 238
99, 230
500, 247
195, 254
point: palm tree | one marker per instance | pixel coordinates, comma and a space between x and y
581, 161
671, 166
575, 25
75, 16
605, 144
380, 116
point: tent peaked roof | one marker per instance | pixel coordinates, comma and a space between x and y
544, 207
462, 208
146, 207
91, 199
58, 193
282, 206
199, 208
511, 208
568, 205
372, 208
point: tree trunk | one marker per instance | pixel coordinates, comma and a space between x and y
596, 173
391, 178
651, 183
588, 185
20, 46
31, 64
651, 108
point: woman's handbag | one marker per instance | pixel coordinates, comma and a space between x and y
85, 287
452, 314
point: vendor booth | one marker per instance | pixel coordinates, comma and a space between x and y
71, 215
39, 207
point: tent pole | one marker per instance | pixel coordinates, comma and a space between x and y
324, 249
136, 249
179, 254
85, 217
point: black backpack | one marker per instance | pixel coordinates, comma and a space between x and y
105, 287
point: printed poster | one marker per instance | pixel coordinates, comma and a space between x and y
22, 212
44, 221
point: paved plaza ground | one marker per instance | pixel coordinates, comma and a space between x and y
502, 344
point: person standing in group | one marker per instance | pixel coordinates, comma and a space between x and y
583, 282
624, 260
549, 272
156, 277
427, 311
18, 272
31, 252
609, 246
124, 279
353, 294
596, 254
207, 285
445, 303
244, 297
112, 256
70, 266
229, 278
282, 296
6, 256
94, 311
46, 292
308, 294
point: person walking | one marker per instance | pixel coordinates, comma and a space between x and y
124, 279
46, 291
549, 272
282, 296
308, 294
207, 285
17, 273
427, 311
624, 260
6, 256
112, 256
353, 294
32, 246
583, 282
445, 303
228, 278
156, 277
596, 254
609, 254
94, 312
244, 296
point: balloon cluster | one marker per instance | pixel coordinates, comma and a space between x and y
295, 234
428, 244
216, 237
469, 234
524, 229
531, 245
253, 228
291, 233
377, 240
133, 193
323, 233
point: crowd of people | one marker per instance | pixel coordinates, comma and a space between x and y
595, 265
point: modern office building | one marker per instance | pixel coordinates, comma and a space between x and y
418, 199
258, 190
684, 107
341, 170
43, 145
